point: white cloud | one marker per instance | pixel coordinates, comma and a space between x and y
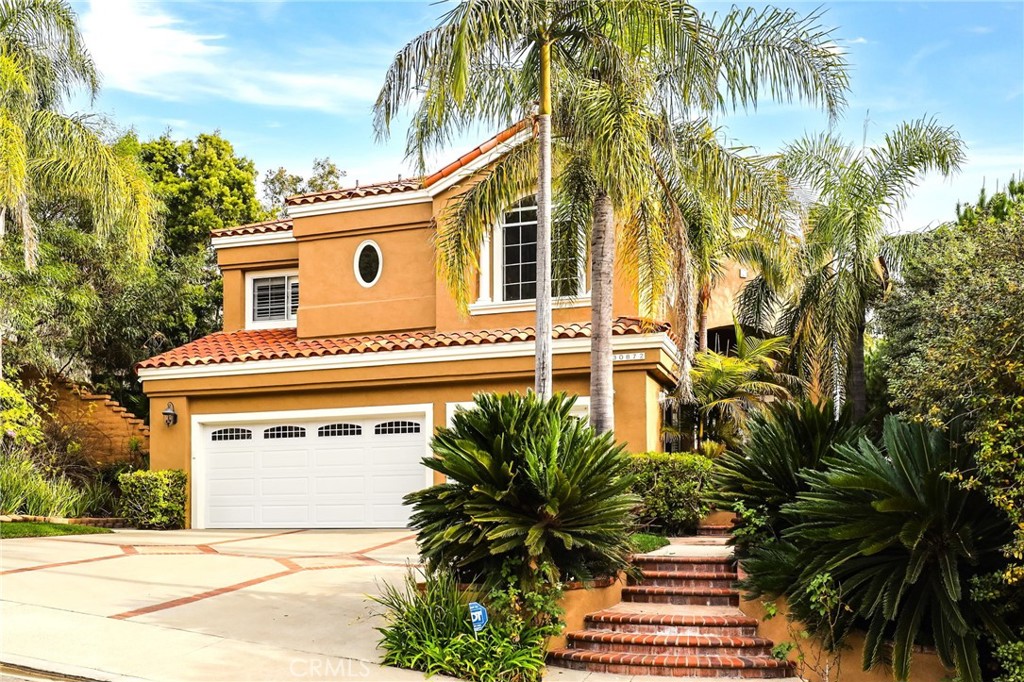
980, 30
859, 40
142, 48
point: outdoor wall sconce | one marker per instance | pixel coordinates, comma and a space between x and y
170, 416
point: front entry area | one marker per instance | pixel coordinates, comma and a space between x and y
289, 471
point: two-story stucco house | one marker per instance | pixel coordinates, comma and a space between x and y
342, 351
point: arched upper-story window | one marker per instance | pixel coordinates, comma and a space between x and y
516, 257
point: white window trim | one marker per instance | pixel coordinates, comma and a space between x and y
492, 281
380, 263
250, 323
200, 421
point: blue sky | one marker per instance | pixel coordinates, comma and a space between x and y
290, 81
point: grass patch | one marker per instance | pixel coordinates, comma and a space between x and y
31, 529
647, 542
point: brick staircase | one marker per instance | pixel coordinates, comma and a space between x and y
680, 619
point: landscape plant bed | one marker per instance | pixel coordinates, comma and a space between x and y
98, 521
38, 529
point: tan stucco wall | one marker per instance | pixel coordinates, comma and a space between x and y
721, 310
925, 666
436, 384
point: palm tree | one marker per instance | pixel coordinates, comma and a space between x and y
840, 265
45, 152
491, 61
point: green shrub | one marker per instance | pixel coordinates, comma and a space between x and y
902, 542
783, 442
153, 499
527, 483
672, 488
98, 498
24, 490
429, 630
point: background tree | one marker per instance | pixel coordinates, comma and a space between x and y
279, 184
953, 343
839, 267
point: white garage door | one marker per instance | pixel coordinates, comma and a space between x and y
338, 473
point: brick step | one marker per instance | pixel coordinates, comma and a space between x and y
667, 562
673, 645
714, 530
743, 667
693, 623
690, 596
686, 579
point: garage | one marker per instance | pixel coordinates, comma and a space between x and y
330, 472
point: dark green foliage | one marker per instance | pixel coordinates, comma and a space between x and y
765, 474
429, 630
901, 540
526, 483
672, 488
153, 499
954, 345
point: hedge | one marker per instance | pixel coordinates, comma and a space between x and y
672, 487
153, 499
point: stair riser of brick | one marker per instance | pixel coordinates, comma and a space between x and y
714, 531
651, 650
726, 581
661, 671
652, 597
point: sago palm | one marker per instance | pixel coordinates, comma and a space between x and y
45, 152
821, 285
527, 485
904, 539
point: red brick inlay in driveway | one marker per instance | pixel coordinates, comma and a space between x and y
202, 595
26, 569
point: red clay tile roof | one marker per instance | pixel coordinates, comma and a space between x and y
254, 228
377, 189
396, 186
277, 344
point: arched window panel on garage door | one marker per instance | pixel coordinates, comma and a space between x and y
232, 433
396, 427
333, 430
284, 432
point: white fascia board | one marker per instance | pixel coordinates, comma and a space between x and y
406, 198
411, 196
518, 349
279, 237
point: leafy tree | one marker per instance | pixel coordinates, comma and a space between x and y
279, 184
204, 186
953, 344
839, 267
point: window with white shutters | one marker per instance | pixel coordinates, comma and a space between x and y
275, 298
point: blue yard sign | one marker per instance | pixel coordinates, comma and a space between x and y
477, 616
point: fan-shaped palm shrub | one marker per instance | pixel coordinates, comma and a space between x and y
528, 484
904, 539
765, 473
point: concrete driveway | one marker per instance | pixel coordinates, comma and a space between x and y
200, 605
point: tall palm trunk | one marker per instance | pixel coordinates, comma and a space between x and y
602, 265
543, 369
703, 303
858, 391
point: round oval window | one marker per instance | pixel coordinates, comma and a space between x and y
368, 264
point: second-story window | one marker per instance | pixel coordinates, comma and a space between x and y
519, 257
275, 299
